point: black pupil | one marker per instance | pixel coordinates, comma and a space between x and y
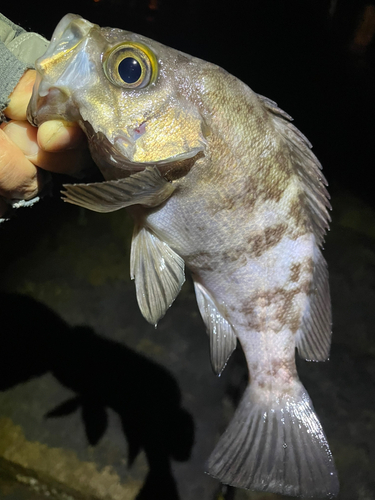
129, 70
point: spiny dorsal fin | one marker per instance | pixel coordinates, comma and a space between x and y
222, 337
158, 273
308, 169
143, 188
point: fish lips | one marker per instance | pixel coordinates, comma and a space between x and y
50, 103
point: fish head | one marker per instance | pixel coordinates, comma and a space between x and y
130, 94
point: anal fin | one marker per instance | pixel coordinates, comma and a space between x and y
158, 273
147, 187
222, 337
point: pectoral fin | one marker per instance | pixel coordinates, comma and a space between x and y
158, 272
222, 337
143, 188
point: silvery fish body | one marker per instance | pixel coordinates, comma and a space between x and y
217, 179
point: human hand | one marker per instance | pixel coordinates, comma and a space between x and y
25, 151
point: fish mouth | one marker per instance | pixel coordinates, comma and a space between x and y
113, 164
47, 101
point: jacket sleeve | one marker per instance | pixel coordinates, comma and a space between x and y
18, 51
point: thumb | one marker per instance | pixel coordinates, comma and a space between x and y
58, 135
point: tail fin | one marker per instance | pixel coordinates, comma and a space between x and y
278, 447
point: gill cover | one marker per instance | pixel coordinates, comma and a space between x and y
130, 65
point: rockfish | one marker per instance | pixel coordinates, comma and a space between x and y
217, 179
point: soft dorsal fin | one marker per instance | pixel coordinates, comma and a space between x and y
313, 339
143, 188
158, 273
222, 337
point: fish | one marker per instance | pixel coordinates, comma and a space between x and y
219, 181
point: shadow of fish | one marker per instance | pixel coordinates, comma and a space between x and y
216, 178
145, 396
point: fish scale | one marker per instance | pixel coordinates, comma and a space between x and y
217, 179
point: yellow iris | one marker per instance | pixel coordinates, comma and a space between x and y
130, 65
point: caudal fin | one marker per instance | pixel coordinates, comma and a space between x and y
278, 447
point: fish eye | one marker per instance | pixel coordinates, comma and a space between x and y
130, 70
130, 65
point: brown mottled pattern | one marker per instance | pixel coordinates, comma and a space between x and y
261, 241
269, 182
273, 235
275, 176
218, 260
297, 215
288, 312
202, 261
255, 246
295, 273
247, 215
276, 369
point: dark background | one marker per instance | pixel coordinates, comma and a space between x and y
314, 58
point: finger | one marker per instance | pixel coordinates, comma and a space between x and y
20, 97
57, 135
70, 161
24, 136
19, 178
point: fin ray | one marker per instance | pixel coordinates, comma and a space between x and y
222, 337
158, 273
313, 339
145, 188
276, 446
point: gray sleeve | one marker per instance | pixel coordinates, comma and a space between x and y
18, 51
